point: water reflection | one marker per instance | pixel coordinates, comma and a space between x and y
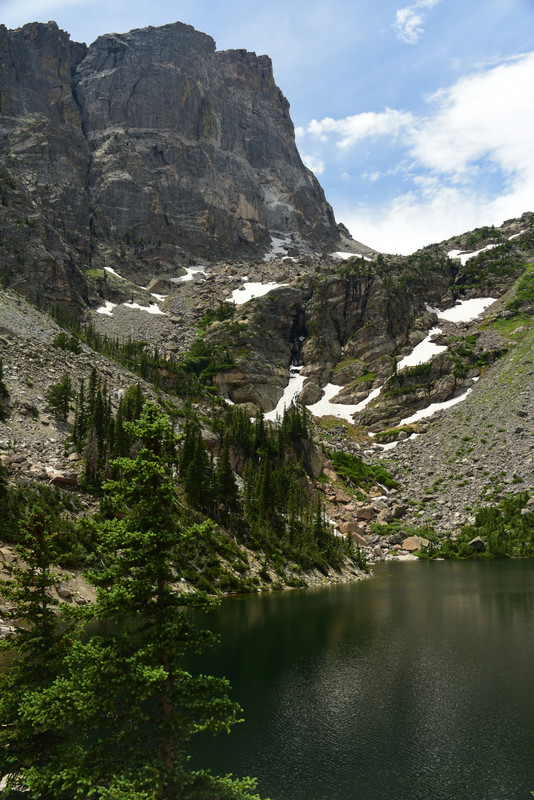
415, 684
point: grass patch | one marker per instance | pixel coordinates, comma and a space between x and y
358, 474
391, 433
95, 274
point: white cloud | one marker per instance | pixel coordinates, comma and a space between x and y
361, 126
408, 24
315, 164
371, 176
412, 221
489, 115
468, 162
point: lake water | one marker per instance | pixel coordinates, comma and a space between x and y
417, 684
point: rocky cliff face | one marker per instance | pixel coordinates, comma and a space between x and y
144, 150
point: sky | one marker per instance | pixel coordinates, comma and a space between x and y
417, 118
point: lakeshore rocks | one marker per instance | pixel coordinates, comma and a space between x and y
414, 543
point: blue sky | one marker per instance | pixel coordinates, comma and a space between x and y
417, 117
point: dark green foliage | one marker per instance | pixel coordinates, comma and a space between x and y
66, 342
225, 487
277, 512
38, 643
408, 380
117, 713
491, 269
507, 530
186, 377
204, 361
198, 560
73, 541
223, 312
524, 293
465, 353
358, 474
97, 432
58, 397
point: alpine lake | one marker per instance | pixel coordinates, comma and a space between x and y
417, 684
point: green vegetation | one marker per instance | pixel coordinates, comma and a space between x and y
391, 433
509, 327
95, 274
358, 474
464, 353
110, 714
188, 377
506, 531
397, 526
223, 312
491, 269
66, 342
524, 291
58, 397
409, 380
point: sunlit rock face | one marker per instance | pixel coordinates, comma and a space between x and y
148, 147
194, 146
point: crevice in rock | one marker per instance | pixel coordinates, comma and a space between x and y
299, 333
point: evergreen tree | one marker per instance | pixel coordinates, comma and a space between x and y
38, 642
125, 706
91, 455
58, 397
120, 438
225, 485
198, 481
79, 428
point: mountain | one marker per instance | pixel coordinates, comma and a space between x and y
140, 153
154, 202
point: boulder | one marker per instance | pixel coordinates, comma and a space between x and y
310, 456
477, 544
365, 512
62, 478
414, 543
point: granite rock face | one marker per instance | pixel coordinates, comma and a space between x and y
145, 149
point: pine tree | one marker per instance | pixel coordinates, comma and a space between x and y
120, 439
38, 641
125, 706
225, 485
58, 397
198, 481
79, 428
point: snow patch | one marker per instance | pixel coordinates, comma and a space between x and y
433, 408
277, 248
464, 257
291, 392
389, 445
112, 271
153, 308
344, 256
325, 408
423, 352
190, 274
465, 310
107, 308
251, 290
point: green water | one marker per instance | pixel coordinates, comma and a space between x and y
415, 685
